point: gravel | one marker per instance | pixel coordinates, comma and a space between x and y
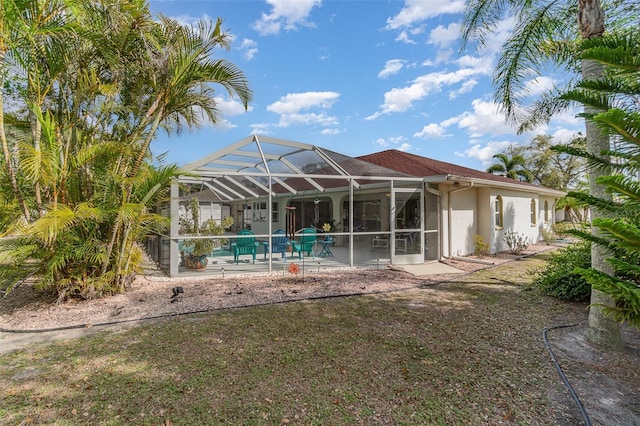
152, 295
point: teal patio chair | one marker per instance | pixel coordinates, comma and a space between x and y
279, 244
307, 242
245, 244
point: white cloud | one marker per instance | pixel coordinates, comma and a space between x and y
485, 119
432, 130
401, 99
484, 65
397, 139
485, 153
445, 37
261, 129
295, 102
322, 119
395, 142
381, 143
466, 87
249, 48
191, 21
330, 131
569, 117
285, 14
227, 107
416, 11
230, 106
564, 135
403, 37
393, 66
292, 107
538, 86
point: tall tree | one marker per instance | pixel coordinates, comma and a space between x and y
544, 34
549, 167
615, 100
511, 166
97, 100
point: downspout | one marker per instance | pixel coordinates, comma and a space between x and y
553, 211
456, 188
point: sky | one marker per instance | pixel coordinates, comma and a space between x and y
358, 77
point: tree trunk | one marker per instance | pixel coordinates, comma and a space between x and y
36, 130
602, 330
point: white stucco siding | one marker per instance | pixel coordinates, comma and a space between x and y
516, 215
485, 215
547, 218
464, 223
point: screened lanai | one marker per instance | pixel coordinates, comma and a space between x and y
262, 203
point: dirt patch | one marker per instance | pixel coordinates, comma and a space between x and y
607, 383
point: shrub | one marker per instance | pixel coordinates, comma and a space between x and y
481, 246
547, 235
560, 279
517, 243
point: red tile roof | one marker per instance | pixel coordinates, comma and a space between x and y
416, 165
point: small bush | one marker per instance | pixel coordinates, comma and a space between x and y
481, 246
558, 278
517, 243
547, 235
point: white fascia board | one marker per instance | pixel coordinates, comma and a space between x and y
496, 184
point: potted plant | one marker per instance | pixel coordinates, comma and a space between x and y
327, 228
200, 248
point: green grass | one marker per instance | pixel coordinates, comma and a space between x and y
467, 352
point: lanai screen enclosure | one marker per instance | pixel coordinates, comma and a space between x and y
359, 214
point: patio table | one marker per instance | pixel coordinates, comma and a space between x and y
326, 248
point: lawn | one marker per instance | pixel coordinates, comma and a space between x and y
464, 352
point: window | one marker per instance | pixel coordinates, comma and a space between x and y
546, 211
274, 212
534, 212
259, 211
498, 212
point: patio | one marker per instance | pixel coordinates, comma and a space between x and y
367, 255
261, 185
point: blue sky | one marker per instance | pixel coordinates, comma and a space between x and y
358, 77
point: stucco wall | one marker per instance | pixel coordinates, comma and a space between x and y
464, 223
517, 216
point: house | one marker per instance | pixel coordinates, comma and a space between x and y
389, 207
473, 202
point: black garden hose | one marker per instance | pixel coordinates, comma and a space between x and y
573, 393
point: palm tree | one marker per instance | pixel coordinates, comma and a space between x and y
178, 90
512, 167
544, 34
96, 113
615, 99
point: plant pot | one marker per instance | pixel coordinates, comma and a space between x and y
197, 262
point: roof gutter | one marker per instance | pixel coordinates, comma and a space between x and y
495, 183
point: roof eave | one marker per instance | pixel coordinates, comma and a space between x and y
494, 183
